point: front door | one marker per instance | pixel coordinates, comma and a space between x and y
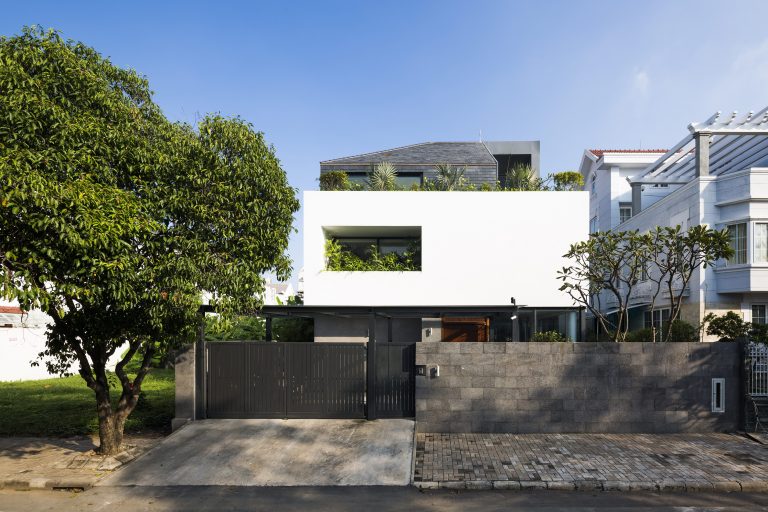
466, 329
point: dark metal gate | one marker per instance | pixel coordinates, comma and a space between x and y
395, 390
285, 380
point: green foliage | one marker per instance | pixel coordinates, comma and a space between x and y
340, 259
113, 219
758, 333
681, 331
728, 327
549, 336
568, 180
335, 180
640, 336
523, 177
383, 177
253, 328
449, 178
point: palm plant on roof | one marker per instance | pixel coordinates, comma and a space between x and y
383, 177
523, 177
449, 177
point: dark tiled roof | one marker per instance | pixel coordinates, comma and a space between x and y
458, 153
601, 152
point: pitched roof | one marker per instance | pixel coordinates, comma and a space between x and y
15, 310
426, 153
601, 152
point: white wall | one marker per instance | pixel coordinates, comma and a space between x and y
478, 248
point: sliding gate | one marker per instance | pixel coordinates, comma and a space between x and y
285, 380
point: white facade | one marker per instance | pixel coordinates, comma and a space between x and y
477, 248
716, 176
605, 178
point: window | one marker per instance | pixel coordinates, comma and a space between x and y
592, 183
656, 319
761, 243
758, 314
737, 234
625, 212
593, 224
644, 272
403, 180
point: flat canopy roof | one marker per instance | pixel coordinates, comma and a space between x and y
392, 311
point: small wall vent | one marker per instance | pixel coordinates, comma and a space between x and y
718, 395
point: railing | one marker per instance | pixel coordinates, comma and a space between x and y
757, 361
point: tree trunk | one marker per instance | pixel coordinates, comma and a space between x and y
111, 428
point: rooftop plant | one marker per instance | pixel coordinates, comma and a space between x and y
340, 259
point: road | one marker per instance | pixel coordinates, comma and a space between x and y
341, 499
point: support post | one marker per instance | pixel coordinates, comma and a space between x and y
637, 202
201, 366
268, 328
371, 367
389, 329
702, 153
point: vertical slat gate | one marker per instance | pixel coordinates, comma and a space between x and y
758, 369
395, 380
285, 380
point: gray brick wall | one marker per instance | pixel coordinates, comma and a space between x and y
576, 387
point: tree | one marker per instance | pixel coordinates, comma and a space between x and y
609, 262
449, 178
673, 256
523, 177
568, 180
335, 180
728, 327
114, 219
383, 177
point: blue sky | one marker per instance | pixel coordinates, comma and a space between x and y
330, 79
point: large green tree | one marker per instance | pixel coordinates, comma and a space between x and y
113, 219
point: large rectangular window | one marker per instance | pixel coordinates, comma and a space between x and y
372, 248
761, 243
403, 180
737, 235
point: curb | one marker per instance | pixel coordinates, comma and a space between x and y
758, 486
47, 483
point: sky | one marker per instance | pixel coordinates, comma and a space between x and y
326, 79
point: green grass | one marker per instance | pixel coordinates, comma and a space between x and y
66, 407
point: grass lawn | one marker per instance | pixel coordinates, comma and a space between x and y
66, 407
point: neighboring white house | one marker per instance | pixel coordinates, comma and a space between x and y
481, 253
277, 293
605, 173
717, 175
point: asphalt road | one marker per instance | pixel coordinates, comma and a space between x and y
341, 499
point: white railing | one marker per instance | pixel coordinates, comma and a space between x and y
757, 354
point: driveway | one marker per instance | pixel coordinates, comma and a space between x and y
277, 453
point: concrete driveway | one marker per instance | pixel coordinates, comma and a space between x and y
275, 453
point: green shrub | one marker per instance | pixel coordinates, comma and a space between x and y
549, 336
339, 259
729, 327
335, 180
682, 332
640, 336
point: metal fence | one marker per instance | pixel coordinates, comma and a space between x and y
757, 365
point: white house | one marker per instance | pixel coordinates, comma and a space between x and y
717, 175
482, 255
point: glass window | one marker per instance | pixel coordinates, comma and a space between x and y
658, 320
761, 243
625, 212
360, 247
398, 246
593, 224
592, 183
758, 314
359, 179
737, 234
407, 180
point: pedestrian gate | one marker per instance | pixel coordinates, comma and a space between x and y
251, 379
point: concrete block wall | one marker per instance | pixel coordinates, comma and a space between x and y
577, 387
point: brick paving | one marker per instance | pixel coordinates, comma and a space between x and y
720, 462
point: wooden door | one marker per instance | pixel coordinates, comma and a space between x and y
475, 329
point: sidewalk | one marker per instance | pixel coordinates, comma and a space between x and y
68, 463
622, 462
